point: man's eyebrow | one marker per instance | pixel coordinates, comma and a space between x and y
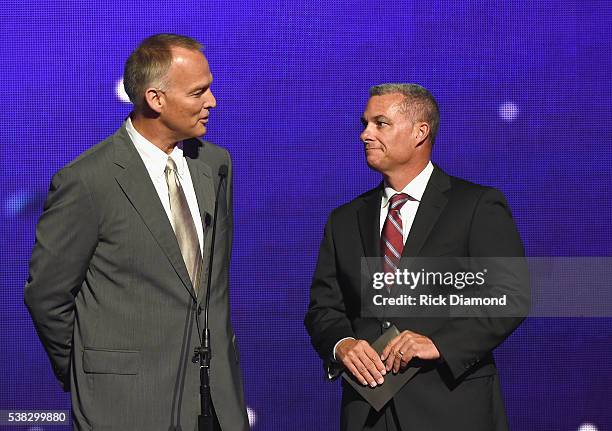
376, 118
198, 88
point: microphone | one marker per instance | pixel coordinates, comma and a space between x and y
222, 175
205, 420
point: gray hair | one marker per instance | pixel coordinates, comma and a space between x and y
149, 63
418, 103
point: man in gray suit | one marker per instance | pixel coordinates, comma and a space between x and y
118, 272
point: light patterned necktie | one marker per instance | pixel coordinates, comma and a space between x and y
183, 225
392, 239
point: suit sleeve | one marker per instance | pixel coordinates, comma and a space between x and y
326, 319
66, 236
464, 341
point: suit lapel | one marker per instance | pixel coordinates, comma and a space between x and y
432, 204
205, 192
368, 217
202, 179
204, 188
136, 183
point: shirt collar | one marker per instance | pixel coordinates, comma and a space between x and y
414, 188
152, 156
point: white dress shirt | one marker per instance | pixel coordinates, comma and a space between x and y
155, 162
415, 190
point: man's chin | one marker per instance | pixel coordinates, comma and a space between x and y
373, 162
198, 131
191, 134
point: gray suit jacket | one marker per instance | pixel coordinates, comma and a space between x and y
111, 298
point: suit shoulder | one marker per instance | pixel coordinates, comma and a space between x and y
208, 150
461, 184
468, 196
90, 161
467, 188
350, 207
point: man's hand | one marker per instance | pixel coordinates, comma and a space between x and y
406, 346
362, 361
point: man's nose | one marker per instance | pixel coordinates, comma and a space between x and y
211, 101
365, 135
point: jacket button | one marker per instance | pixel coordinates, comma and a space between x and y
386, 324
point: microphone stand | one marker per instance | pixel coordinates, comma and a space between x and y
203, 354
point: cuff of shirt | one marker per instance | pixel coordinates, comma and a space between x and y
336, 345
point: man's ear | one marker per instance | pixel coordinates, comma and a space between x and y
422, 131
154, 99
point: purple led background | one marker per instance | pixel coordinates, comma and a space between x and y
525, 91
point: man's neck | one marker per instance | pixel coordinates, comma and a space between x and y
151, 130
400, 179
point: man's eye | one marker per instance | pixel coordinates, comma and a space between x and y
381, 124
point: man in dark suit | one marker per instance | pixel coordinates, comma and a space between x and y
418, 211
117, 274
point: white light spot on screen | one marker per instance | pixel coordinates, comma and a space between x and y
120, 92
252, 416
16, 204
508, 111
36, 429
587, 427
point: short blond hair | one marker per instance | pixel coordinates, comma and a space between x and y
149, 63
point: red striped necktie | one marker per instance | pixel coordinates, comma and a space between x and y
392, 240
